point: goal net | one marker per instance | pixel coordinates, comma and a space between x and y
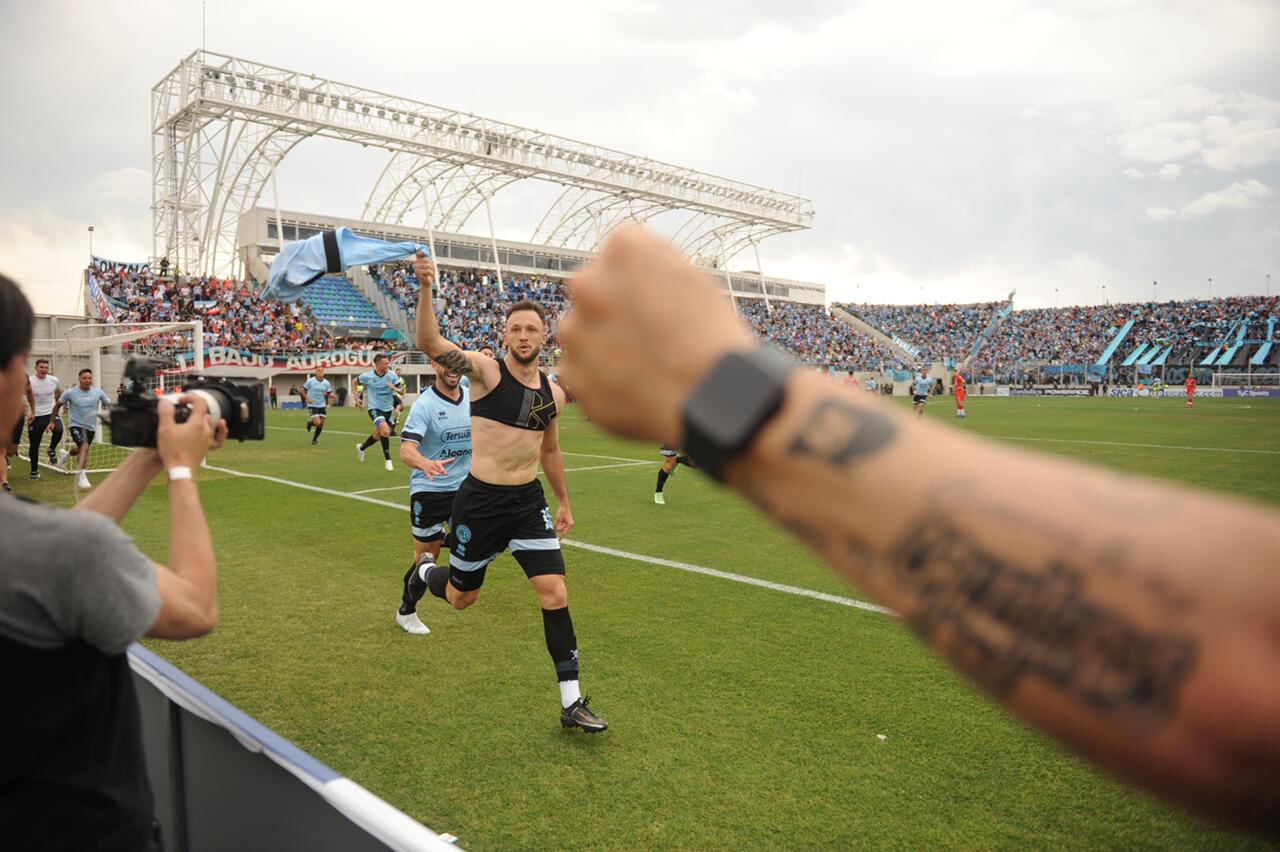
1246, 380
176, 348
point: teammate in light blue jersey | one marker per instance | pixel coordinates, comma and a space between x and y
379, 386
82, 403
318, 392
921, 386
436, 444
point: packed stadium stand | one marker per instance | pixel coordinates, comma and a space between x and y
936, 332
232, 314
812, 335
994, 342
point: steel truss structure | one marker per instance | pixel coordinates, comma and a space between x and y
220, 126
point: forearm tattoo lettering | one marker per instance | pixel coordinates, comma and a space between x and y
1002, 622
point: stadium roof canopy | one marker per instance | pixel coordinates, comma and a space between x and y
220, 126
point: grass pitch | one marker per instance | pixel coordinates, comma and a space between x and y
740, 716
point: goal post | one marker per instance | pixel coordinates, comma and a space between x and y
177, 348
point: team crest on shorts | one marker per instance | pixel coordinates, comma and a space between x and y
463, 533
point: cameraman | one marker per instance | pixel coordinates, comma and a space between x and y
75, 592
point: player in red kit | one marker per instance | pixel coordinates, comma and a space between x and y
1191, 390
958, 383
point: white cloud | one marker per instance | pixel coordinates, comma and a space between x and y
1170, 171
1241, 195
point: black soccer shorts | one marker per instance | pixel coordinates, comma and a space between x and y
918, 399
319, 410
81, 435
381, 413
429, 513
488, 519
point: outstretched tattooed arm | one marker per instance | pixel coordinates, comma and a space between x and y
1157, 656
429, 338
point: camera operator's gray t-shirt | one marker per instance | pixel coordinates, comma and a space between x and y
71, 575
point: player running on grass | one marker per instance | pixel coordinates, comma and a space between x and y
670, 459
921, 387
83, 402
1190, 385
318, 392
500, 505
380, 385
436, 444
958, 385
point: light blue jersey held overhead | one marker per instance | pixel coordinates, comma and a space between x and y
379, 391
317, 391
442, 430
923, 385
83, 406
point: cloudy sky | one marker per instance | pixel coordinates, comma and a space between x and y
953, 151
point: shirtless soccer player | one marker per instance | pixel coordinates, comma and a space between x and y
500, 505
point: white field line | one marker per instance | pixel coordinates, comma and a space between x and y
1142, 446
595, 548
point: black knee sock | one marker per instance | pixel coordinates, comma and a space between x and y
561, 642
316, 436
386, 448
685, 460
662, 480
437, 581
368, 442
415, 588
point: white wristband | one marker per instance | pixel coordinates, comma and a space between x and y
179, 472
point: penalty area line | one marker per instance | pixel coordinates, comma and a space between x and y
594, 548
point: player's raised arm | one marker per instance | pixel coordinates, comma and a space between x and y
430, 340
1158, 658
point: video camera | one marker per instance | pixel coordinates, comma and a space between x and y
134, 421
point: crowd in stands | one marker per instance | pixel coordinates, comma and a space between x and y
938, 332
471, 308
232, 313
813, 336
1081, 334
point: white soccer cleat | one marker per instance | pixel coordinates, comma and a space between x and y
388, 465
658, 498
412, 624
63, 455
360, 452
82, 481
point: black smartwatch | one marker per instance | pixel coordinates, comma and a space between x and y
743, 391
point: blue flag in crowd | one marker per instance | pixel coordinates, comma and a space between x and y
306, 261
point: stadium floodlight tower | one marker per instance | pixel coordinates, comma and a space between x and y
220, 126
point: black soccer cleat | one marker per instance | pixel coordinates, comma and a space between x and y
576, 715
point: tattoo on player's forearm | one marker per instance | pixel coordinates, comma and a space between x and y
456, 361
1003, 622
842, 434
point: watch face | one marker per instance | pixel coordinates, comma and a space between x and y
733, 403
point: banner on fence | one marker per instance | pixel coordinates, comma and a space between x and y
301, 362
